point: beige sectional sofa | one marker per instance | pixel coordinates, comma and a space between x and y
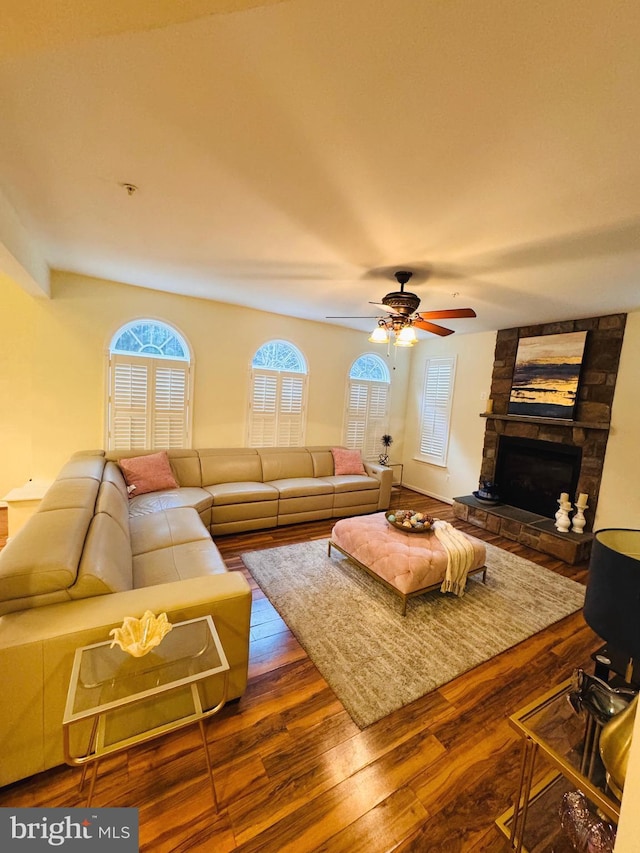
73, 572
92, 555
238, 489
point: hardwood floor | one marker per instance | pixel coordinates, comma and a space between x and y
294, 773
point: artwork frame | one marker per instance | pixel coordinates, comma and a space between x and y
546, 376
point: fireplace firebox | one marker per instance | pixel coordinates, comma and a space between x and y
531, 474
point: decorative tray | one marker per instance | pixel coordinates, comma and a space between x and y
409, 521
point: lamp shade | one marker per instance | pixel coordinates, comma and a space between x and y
379, 335
612, 601
406, 337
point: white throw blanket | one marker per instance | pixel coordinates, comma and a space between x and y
460, 556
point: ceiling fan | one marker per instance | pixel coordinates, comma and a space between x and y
401, 307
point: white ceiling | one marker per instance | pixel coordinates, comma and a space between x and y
290, 155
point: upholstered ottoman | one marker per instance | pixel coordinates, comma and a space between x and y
408, 563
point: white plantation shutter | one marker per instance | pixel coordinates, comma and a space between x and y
148, 403
377, 419
290, 411
367, 416
264, 401
436, 409
356, 415
170, 405
277, 409
128, 404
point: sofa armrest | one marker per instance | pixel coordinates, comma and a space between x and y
37, 647
385, 475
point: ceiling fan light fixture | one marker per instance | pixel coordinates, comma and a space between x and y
379, 335
406, 337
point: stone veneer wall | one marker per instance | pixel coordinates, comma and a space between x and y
592, 416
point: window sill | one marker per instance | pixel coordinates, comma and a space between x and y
429, 462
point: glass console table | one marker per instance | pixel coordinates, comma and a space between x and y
567, 743
397, 479
116, 701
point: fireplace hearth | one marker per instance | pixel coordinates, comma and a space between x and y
531, 474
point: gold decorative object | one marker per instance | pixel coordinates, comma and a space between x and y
615, 743
139, 636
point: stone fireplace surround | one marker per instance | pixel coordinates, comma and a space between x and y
589, 431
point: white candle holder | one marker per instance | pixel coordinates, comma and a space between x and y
563, 522
579, 521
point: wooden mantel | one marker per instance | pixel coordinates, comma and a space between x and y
547, 421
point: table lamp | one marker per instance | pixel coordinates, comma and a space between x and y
612, 602
612, 610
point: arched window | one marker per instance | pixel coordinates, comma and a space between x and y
278, 396
367, 408
149, 387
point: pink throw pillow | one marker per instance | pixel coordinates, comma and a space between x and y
347, 461
150, 473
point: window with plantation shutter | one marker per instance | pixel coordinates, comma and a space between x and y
278, 396
149, 388
367, 414
436, 410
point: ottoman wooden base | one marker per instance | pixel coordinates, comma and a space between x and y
409, 564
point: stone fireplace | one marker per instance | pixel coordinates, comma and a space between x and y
529, 457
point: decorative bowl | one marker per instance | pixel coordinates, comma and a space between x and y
138, 636
409, 521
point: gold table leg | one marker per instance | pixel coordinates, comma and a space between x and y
203, 734
521, 803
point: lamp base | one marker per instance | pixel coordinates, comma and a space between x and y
609, 660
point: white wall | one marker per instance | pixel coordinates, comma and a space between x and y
619, 500
20, 257
619, 506
474, 368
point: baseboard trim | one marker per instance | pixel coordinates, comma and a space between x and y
428, 494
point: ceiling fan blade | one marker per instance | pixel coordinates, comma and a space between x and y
383, 306
448, 314
431, 327
350, 317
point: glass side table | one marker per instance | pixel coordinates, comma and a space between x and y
397, 483
123, 701
568, 744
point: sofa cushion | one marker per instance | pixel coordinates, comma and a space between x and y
43, 556
347, 461
230, 465
285, 463
189, 560
166, 528
322, 461
238, 493
301, 487
149, 473
199, 499
74, 492
114, 503
106, 565
185, 465
82, 466
352, 483
113, 474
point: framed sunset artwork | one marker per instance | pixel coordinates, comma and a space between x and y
546, 375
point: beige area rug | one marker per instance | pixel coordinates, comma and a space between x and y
374, 659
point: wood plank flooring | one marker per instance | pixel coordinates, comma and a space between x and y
294, 773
